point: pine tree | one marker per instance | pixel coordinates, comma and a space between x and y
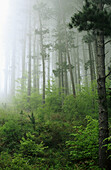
96, 19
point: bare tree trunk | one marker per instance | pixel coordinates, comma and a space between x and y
43, 58
69, 61
34, 65
66, 78
29, 57
85, 70
13, 71
78, 66
60, 76
90, 60
67, 51
23, 64
37, 68
93, 62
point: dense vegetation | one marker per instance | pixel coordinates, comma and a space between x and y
61, 134
56, 107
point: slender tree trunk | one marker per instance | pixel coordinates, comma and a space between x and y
90, 60
66, 78
85, 70
34, 66
62, 73
78, 65
67, 50
13, 72
95, 51
29, 57
37, 68
60, 76
75, 65
23, 64
93, 63
43, 59
71, 75
69, 61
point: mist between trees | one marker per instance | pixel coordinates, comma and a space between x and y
56, 68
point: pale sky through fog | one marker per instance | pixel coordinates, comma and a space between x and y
4, 10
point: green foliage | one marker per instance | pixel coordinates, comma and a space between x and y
30, 150
20, 101
84, 145
53, 133
42, 140
53, 99
15, 163
92, 18
84, 104
5, 160
10, 134
108, 145
32, 119
62, 68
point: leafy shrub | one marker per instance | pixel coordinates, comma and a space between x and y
19, 163
84, 104
5, 160
11, 134
84, 146
20, 101
30, 150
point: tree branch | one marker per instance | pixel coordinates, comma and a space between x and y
108, 75
107, 42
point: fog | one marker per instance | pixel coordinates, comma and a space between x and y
33, 46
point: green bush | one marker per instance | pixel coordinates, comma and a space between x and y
19, 163
20, 101
30, 150
84, 104
10, 134
5, 160
84, 146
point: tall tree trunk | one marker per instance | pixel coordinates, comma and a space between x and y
13, 71
85, 70
37, 68
69, 61
34, 65
78, 65
43, 58
60, 76
29, 57
23, 64
65, 77
67, 50
103, 113
93, 62
90, 60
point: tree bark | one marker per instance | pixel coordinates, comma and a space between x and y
103, 113
90, 60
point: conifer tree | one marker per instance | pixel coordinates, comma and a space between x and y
96, 19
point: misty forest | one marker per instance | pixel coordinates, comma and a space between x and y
55, 84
